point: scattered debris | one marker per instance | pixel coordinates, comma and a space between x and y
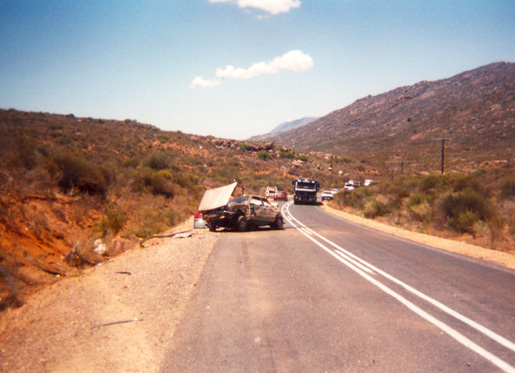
124, 273
173, 235
183, 235
100, 247
116, 322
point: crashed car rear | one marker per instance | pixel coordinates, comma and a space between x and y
239, 213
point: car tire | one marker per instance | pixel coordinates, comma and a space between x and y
278, 223
242, 224
212, 227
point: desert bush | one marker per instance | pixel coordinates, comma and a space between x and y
162, 185
263, 155
163, 137
287, 154
152, 224
22, 154
185, 180
113, 221
421, 211
78, 173
173, 217
130, 163
157, 161
419, 207
461, 210
378, 206
303, 158
507, 187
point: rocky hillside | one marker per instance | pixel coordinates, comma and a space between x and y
474, 111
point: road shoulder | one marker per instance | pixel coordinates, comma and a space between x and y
118, 316
477, 252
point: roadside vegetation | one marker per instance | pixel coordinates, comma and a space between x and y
76, 191
478, 208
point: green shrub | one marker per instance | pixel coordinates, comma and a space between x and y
173, 217
421, 211
162, 185
378, 206
303, 158
130, 163
464, 222
419, 198
263, 155
113, 221
287, 154
78, 173
157, 161
463, 209
242, 146
151, 225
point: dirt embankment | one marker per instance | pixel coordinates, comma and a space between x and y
62, 327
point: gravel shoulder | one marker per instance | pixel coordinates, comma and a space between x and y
59, 329
477, 252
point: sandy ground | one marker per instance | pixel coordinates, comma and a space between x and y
63, 327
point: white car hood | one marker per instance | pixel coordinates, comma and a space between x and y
217, 197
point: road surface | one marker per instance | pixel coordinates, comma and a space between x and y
327, 295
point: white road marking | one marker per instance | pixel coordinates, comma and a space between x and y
345, 257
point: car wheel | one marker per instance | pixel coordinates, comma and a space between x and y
278, 223
242, 223
212, 227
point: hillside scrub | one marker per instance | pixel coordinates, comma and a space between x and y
479, 205
68, 184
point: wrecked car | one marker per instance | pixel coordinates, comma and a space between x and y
241, 213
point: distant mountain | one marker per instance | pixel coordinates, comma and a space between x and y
286, 126
473, 112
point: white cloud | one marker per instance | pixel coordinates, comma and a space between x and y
199, 82
271, 6
294, 61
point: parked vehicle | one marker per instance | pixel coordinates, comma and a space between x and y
327, 195
280, 195
239, 213
348, 186
368, 182
270, 191
305, 190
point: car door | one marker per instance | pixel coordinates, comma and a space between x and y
269, 212
257, 210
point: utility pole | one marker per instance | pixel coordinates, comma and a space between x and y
443, 152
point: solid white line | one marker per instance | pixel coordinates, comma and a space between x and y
496, 337
444, 327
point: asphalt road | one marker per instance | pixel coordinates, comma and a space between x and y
327, 295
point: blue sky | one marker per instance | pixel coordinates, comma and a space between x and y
236, 68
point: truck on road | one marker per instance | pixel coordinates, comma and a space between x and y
305, 190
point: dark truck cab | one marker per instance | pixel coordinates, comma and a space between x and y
305, 190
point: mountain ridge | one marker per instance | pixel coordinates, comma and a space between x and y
286, 126
473, 110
